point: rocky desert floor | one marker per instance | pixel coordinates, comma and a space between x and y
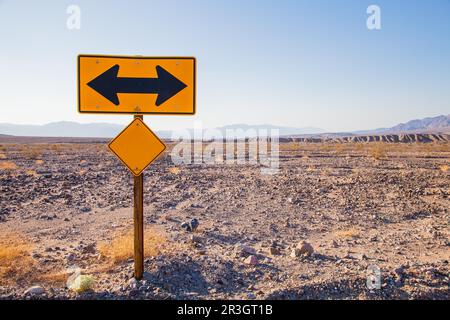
314, 230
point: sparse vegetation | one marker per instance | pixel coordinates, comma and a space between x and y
347, 233
16, 262
8, 165
32, 173
378, 151
174, 170
33, 154
121, 248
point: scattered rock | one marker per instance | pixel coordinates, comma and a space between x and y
190, 226
133, 283
35, 290
251, 260
295, 253
85, 209
71, 257
194, 239
90, 248
274, 251
244, 250
305, 248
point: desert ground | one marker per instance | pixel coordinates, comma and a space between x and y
311, 231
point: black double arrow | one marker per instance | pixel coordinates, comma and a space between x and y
108, 84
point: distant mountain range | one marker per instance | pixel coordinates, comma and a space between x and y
108, 130
431, 124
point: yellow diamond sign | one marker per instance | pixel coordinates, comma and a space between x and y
137, 146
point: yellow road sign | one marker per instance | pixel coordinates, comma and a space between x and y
137, 146
136, 85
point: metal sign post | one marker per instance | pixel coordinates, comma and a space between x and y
139, 222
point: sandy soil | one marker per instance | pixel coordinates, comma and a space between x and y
357, 205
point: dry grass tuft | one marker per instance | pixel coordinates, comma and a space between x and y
39, 162
444, 168
32, 173
378, 151
16, 262
121, 248
7, 165
174, 170
348, 233
33, 154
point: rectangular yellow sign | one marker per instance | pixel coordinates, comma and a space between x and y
136, 84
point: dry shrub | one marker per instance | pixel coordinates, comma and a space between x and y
378, 151
2, 156
121, 248
289, 146
339, 148
444, 168
59, 277
55, 147
348, 233
32, 173
7, 165
33, 154
39, 161
16, 262
174, 170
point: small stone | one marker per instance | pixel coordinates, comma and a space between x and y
186, 226
287, 223
274, 251
85, 209
71, 257
247, 250
35, 290
194, 224
251, 260
295, 253
194, 239
90, 248
133, 283
305, 248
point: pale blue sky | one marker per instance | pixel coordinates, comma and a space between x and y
292, 63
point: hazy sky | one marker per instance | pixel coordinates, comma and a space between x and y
293, 63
